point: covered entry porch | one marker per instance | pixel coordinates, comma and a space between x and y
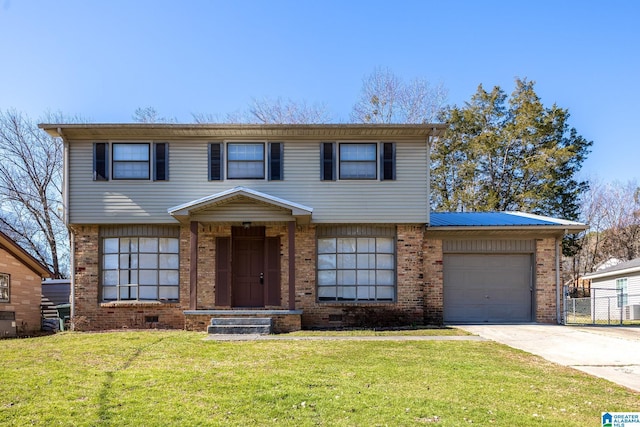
240, 247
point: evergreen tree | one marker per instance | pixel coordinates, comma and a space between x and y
504, 154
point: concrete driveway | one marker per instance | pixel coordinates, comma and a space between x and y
612, 353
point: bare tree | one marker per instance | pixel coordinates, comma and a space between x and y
386, 98
31, 190
273, 111
151, 115
235, 117
612, 211
621, 217
269, 111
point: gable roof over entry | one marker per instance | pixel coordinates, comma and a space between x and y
253, 206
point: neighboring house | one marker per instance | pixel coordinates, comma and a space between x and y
311, 225
20, 288
615, 292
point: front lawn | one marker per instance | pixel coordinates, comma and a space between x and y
160, 378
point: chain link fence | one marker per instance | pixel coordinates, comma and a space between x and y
603, 307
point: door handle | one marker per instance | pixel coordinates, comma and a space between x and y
262, 278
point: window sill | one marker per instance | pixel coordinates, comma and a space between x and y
134, 303
355, 302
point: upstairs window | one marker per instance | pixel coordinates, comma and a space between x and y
357, 161
245, 161
135, 161
131, 161
4, 287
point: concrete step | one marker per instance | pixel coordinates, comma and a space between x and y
240, 325
241, 321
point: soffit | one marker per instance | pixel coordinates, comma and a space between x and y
153, 131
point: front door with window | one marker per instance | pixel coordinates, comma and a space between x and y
248, 267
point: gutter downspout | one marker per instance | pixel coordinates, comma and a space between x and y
431, 139
558, 289
65, 218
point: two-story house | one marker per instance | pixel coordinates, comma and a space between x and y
311, 225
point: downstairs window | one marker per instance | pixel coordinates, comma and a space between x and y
140, 268
622, 291
360, 269
4, 287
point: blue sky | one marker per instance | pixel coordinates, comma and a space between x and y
104, 59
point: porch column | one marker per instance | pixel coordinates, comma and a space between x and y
292, 264
193, 266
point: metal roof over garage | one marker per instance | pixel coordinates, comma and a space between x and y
493, 220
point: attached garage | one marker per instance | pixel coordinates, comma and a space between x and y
488, 288
494, 267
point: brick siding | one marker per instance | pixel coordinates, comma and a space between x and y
419, 297
93, 315
25, 289
545, 286
408, 308
434, 281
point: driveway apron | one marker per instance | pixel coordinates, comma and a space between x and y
612, 353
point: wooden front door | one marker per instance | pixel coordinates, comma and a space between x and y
248, 270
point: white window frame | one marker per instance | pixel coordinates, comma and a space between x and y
114, 161
5, 285
350, 273
375, 161
228, 161
134, 262
622, 291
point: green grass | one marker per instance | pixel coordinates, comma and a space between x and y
160, 378
444, 331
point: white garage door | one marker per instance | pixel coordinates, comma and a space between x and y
487, 288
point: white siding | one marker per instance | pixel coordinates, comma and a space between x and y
605, 296
404, 200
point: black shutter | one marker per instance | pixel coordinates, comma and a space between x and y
100, 161
215, 161
223, 271
388, 161
161, 161
272, 252
327, 161
276, 154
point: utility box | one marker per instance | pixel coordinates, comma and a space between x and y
8, 324
632, 312
64, 314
